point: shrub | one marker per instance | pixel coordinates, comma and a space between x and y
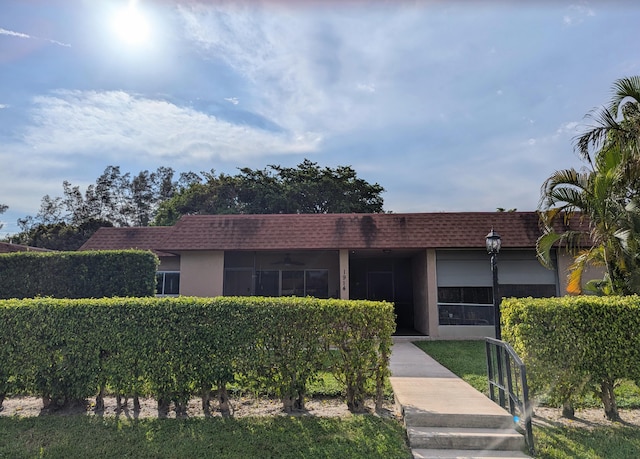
68, 349
99, 274
574, 342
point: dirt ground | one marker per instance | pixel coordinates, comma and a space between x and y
325, 407
588, 419
320, 407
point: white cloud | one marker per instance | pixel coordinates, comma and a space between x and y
119, 124
311, 70
577, 13
570, 127
366, 87
233, 100
12, 33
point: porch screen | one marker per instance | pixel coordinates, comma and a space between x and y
302, 282
465, 283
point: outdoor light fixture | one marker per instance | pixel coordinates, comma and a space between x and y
493, 242
493, 247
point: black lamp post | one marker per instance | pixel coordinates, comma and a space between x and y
493, 247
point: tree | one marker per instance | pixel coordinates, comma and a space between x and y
116, 199
215, 195
3, 209
59, 235
606, 194
306, 188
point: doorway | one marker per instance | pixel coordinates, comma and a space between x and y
385, 278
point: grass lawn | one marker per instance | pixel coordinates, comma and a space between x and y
261, 437
81, 436
467, 360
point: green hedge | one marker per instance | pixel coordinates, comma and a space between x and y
175, 348
573, 344
78, 274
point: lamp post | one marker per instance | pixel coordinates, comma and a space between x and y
493, 247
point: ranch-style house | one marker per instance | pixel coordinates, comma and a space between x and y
433, 266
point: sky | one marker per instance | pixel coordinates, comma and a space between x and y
449, 105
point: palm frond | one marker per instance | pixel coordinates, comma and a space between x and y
597, 135
544, 244
622, 89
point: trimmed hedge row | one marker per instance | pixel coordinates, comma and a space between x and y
575, 344
88, 274
175, 348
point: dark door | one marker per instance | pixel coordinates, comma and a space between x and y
380, 286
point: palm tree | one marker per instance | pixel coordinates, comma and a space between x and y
605, 196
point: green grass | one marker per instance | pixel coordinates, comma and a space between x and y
261, 437
467, 360
600, 443
78, 436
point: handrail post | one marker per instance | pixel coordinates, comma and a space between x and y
503, 381
490, 370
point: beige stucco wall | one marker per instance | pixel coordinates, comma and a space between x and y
466, 331
201, 273
432, 294
420, 297
343, 274
169, 264
564, 262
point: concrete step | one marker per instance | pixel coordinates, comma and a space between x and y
465, 438
466, 454
420, 418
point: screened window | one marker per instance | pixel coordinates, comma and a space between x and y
168, 283
474, 305
303, 282
477, 295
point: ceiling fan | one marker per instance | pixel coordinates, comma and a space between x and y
287, 261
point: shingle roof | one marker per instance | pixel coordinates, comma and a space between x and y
325, 231
142, 238
6, 247
350, 231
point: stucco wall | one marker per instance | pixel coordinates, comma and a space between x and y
169, 264
420, 300
466, 331
432, 293
564, 262
201, 273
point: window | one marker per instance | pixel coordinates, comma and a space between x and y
465, 305
317, 283
465, 314
268, 283
308, 282
167, 283
474, 305
477, 295
292, 283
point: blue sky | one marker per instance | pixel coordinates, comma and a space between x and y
449, 105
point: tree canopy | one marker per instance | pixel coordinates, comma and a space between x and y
159, 198
3, 209
307, 188
606, 193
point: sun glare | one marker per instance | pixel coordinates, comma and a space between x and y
131, 26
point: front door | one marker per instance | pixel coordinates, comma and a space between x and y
380, 286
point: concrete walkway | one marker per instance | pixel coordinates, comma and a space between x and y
445, 417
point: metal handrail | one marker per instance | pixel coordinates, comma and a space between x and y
508, 377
